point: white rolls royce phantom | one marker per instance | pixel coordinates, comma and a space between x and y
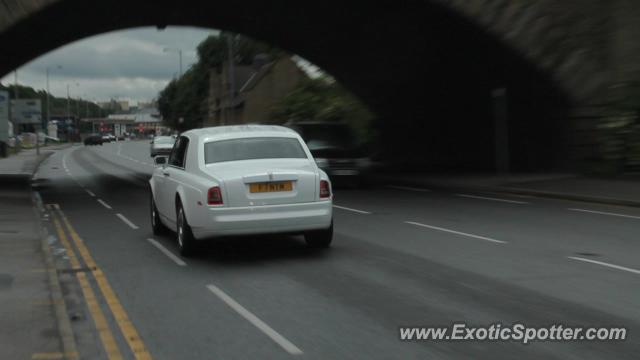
240, 180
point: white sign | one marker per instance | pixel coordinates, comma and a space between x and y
4, 116
26, 111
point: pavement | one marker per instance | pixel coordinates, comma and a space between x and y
30, 297
402, 256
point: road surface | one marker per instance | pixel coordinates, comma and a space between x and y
400, 257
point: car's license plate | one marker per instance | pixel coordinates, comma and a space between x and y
271, 186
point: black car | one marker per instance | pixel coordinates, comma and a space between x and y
335, 149
93, 139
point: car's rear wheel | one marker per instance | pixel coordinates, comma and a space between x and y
157, 226
320, 238
186, 241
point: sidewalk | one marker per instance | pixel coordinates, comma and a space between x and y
30, 296
20, 167
621, 190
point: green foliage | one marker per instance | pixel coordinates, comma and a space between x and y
323, 99
58, 106
186, 97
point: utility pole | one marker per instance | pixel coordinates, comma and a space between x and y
49, 96
68, 104
15, 93
179, 51
232, 77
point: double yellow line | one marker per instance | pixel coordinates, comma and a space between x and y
127, 328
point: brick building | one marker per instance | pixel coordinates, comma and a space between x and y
258, 88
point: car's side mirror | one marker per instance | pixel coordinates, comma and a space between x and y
160, 160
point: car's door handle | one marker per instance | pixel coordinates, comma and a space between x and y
165, 173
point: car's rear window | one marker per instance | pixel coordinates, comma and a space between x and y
253, 148
164, 140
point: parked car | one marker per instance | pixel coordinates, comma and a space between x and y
335, 149
240, 180
161, 145
93, 139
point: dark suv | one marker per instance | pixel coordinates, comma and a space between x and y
335, 149
93, 139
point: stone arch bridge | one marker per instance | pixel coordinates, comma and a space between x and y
523, 85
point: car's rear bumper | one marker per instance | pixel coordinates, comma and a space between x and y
157, 152
268, 219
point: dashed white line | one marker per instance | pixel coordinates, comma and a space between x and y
90, 192
64, 162
455, 232
409, 188
249, 316
104, 204
353, 210
618, 267
605, 213
491, 199
127, 221
169, 254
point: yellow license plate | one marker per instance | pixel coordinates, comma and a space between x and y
271, 187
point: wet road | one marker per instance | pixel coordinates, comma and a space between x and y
400, 257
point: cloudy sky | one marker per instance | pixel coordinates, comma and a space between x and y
129, 64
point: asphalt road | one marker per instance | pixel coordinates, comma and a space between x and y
400, 257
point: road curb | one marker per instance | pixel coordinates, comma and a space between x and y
67, 338
564, 196
518, 191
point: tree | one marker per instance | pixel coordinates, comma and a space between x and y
58, 105
323, 99
186, 97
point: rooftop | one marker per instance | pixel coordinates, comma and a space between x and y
240, 131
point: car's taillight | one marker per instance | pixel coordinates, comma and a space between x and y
325, 189
214, 197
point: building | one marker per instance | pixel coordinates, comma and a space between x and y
115, 105
143, 122
258, 88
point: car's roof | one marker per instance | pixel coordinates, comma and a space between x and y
317, 122
238, 131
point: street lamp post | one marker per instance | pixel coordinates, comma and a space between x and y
69, 102
179, 51
49, 96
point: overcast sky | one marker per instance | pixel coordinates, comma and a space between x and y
129, 64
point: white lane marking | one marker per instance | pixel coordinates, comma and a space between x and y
491, 199
127, 221
104, 204
605, 264
350, 209
119, 149
456, 232
605, 213
409, 188
64, 162
169, 254
249, 316
90, 192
